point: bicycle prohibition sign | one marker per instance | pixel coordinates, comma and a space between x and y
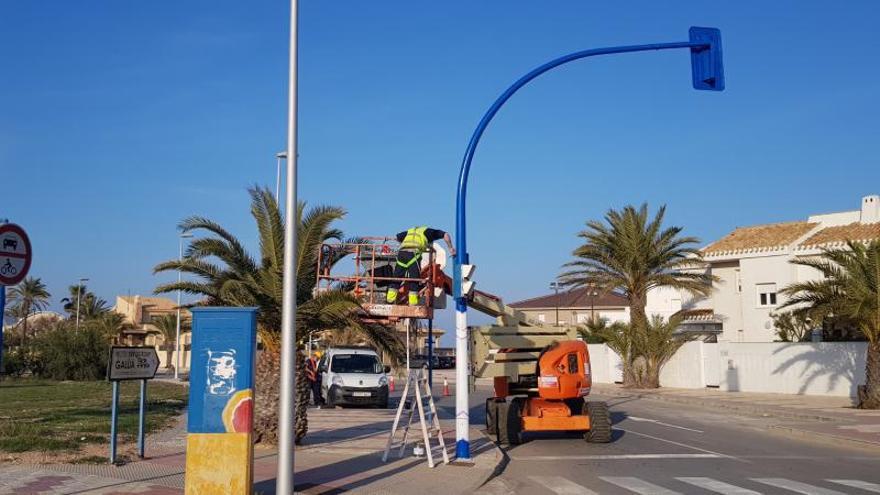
15, 254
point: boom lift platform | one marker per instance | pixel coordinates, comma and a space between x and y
541, 374
370, 272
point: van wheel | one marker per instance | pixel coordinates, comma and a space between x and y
600, 423
509, 421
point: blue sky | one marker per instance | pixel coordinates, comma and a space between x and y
118, 119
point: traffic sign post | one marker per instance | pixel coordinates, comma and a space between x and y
15, 262
130, 363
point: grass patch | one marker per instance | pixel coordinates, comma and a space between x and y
50, 416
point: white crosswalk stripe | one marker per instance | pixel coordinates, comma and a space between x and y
637, 485
863, 485
797, 486
718, 486
561, 486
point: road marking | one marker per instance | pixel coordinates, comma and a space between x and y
698, 449
612, 457
636, 485
864, 485
797, 486
561, 486
718, 486
661, 423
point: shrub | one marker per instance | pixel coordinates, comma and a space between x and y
63, 353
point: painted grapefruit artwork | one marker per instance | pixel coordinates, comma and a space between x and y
239, 412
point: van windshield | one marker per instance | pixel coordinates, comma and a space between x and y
355, 363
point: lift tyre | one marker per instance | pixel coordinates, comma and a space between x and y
509, 422
491, 414
600, 423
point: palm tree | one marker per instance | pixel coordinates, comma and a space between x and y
850, 288
633, 253
111, 324
30, 296
227, 275
90, 305
167, 328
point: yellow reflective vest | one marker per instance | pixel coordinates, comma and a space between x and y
415, 240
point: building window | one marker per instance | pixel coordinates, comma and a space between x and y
542, 318
738, 281
766, 295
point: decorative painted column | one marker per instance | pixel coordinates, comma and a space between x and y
219, 443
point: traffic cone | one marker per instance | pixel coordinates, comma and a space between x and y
391, 383
445, 387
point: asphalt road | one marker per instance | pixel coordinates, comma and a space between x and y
667, 449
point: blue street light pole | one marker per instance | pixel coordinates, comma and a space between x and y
707, 72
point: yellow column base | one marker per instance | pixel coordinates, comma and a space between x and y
219, 463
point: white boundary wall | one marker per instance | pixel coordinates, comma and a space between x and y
829, 368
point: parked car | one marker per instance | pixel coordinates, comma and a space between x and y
421, 360
353, 376
446, 362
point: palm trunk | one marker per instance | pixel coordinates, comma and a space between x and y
266, 396
652, 374
168, 364
634, 374
869, 393
24, 331
268, 385
302, 399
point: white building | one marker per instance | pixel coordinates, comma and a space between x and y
754, 263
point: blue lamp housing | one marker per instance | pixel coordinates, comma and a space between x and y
706, 65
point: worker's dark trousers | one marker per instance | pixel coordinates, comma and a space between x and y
316, 391
413, 272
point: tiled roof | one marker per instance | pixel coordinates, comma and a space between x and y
831, 236
576, 298
759, 238
697, 316
159, 303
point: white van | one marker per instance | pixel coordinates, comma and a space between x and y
353, 376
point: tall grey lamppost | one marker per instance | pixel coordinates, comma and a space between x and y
555, 287
287, 383
78, 292
185, 235
281, 155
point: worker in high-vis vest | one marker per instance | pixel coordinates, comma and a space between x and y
413, 243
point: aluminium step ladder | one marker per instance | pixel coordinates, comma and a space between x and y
417, 386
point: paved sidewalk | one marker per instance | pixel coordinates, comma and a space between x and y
343, 452
831, 417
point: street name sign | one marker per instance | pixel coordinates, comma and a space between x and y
132, 363
15, 254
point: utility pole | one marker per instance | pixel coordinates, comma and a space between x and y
185, 235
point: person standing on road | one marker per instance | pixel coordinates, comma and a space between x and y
314, 378
413, 243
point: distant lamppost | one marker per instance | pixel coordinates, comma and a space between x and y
281, 155
78, 291
555, 286
185, 235
593, 295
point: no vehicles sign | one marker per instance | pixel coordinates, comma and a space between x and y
15, 254
132, 363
